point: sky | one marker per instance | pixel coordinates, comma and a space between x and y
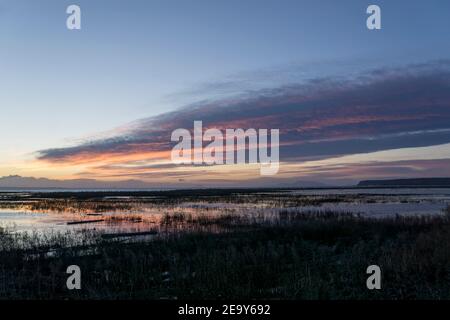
101, 102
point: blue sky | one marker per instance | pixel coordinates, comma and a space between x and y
137, 59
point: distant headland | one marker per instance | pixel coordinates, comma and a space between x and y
415, 182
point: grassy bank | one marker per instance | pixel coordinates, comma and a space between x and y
296, 257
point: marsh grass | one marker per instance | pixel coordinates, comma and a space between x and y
296, 256
70, 206
103, 202
447, 211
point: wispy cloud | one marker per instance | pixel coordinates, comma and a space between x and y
381, 109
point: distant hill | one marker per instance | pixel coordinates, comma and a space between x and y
27, 183
416, 182
18, 182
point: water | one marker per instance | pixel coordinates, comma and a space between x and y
381, 202
384, 202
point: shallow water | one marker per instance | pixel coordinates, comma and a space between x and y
382, 202
20, 221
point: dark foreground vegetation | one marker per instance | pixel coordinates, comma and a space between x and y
296, 256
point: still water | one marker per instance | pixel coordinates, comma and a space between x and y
382, 202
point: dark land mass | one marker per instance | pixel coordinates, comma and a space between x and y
418, 182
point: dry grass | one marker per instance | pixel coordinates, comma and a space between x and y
296, 257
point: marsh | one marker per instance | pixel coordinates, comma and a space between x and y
127, 211
219, 244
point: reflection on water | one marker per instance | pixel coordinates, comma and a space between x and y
141, 214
